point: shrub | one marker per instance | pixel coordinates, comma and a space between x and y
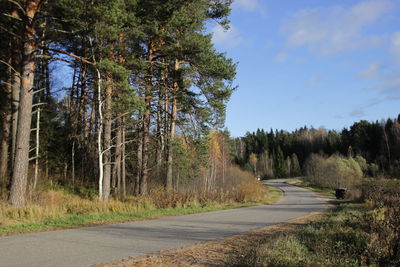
333, 172
383, 222
250, 191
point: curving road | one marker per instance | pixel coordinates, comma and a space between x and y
90, 245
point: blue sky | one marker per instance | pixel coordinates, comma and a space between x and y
321, 63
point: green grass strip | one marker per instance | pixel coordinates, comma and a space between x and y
80, 220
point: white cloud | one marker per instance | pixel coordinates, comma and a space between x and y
250, 5
371, 72
335, 29
227, 38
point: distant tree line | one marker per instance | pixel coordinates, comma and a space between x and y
284, 154
146, 89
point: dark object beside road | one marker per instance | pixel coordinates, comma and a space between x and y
341, 193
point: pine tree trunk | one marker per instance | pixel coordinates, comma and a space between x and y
35, 179
171, 140
83, 105
160, 134
5, 127
139, 163
123, 165
145, 151
21, 162
16, 87
73, 162
107, 143
169, 180
146, 122
116, 183
84, 94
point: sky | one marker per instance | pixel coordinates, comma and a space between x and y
320, 63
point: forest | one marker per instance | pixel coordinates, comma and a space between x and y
145, 103
374, 145
114, 111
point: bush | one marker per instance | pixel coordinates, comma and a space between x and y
333, 172
383, 222
250, 191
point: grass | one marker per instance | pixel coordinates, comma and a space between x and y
362, 232
78, 220
304, 184
338, 239
55, 209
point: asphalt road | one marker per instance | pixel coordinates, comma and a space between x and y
89, 245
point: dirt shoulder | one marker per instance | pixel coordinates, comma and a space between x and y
212, 253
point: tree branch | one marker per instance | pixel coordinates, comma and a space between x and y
69, 54
18, 5
10, 16
17, 72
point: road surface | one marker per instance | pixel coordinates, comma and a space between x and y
90, 245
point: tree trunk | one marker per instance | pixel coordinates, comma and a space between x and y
145, 151
99, 135
160, 133
146, 122
139, 163
21, 161
5, 127
123, 165
116, 181
84, 94
107, 142
16, 87
73, 162
171, 139
37, 149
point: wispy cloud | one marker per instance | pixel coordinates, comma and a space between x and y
339, 117
250, 5
372, 71
358, 113
316, 80
281, 57
395, 45
227, 38
361, 111
336, 29
389, 86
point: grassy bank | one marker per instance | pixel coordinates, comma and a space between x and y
304, 183
362, 233
336, 240
59, 209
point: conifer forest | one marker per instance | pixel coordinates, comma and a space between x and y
118, 116
146, 98
145, 105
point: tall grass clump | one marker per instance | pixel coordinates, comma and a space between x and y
55, 202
